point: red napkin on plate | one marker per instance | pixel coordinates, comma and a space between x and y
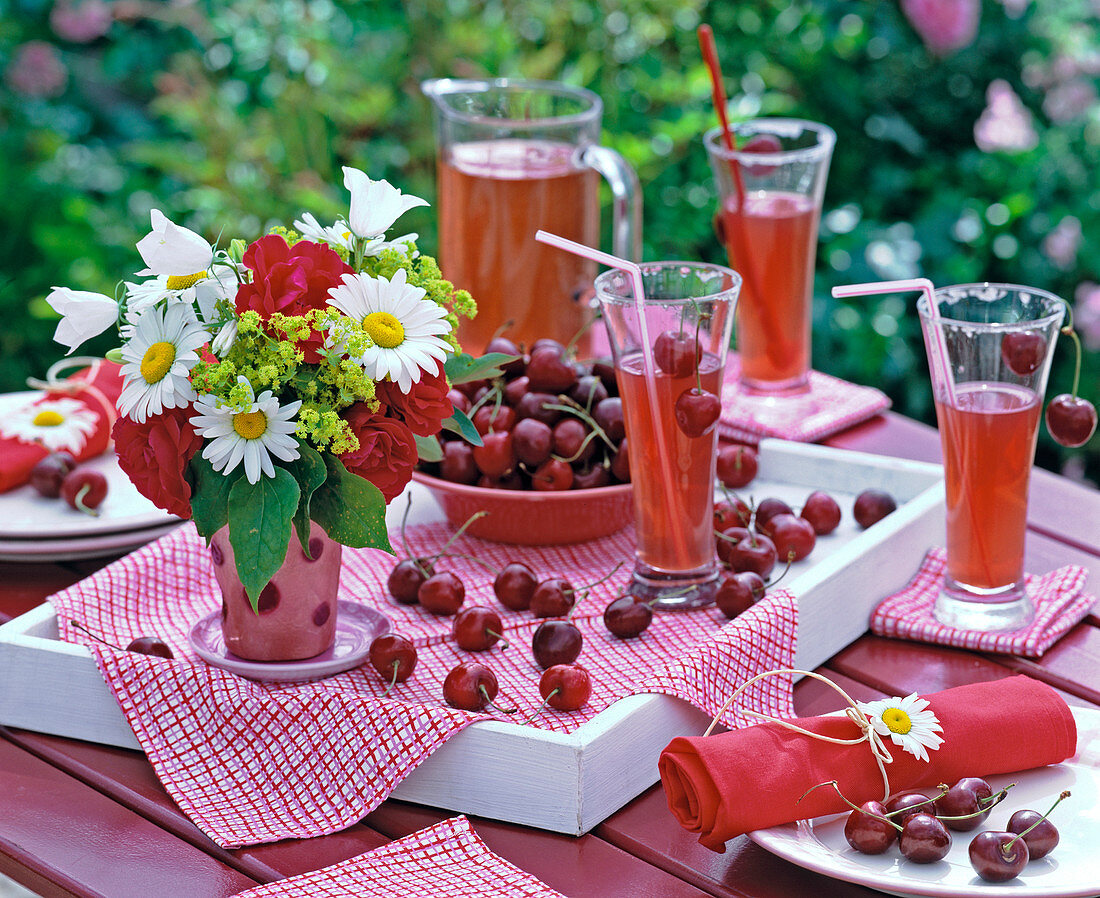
724, 785
95, 388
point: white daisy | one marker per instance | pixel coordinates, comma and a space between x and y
55, 424
250, 432
157, 360
340, 235
907, 722
83, 315
375, 205
172, 250
406, 328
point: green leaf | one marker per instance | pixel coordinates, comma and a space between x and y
260, 515
463, 368
350, 509
309, 471
210, 495
461, 424
428, 449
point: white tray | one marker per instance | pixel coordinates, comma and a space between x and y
54, 687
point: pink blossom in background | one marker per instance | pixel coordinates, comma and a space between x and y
1069, 100
944, 25
1086, 314
36, 70
1005, 124
1060, 245
81, 22
1015, 8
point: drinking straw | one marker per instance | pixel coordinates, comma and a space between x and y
774, 349
649, 366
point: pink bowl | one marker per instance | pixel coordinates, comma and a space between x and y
529, 518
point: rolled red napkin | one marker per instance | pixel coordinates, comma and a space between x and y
76, 416
724, 785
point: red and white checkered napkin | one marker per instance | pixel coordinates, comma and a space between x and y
447, 860
830, 406
252, 762
1060, 604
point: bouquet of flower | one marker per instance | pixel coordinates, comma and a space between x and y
289, 380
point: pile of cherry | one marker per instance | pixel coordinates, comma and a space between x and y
920, 825
58, 476
549, 423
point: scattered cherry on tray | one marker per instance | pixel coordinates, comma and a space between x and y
565, 687
394, 657
442, 594
626, 617
514, 586
471, 686
737, 465
556, 641
822, 511
871, 506
477, 629
143, 645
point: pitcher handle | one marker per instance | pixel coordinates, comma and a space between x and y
626, 227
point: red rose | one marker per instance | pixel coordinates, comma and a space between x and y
155, 456
386, 453
424, 408
291, 280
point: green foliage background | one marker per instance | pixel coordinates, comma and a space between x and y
234, 117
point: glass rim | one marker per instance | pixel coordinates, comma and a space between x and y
826, 140
436, 88
1055, 303
605, 277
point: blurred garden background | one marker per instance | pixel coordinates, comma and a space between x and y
968, 139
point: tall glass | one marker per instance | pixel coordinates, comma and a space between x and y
515, 157
998, 340
685, 322
771, 190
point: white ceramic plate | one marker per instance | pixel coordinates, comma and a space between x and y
25, 515
1072, 870
76, 548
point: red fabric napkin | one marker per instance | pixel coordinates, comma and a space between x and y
732, 783
1060, 604
95, 389
447, 859
829, 406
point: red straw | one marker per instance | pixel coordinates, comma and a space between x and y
718, 94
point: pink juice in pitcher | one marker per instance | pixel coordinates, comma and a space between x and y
988, 446
493, 196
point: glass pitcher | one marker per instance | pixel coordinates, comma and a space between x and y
514, 157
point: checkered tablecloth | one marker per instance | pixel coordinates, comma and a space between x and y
830, 406
251, 762
1060, 604
447, 860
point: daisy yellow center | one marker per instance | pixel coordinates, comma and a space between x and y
48, 418
183, 281
384, 329
157, 361
250, 425
897, 721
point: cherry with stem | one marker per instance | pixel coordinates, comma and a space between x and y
1071, 420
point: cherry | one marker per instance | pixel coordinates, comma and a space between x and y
697, 412
731, 512
457, 464
924, 839
49, 472
737, 466
565, 687
588, 391
871, 506
142, 645
604, 369
591, 478
868, 830
407, 577
477, 628
532, 441
627, 618
556, 642
510, 481
495, 457
573, 441
970, 798
1023, 351
548, 342
552, 476
608, 414
762, 143
620, 464
728, 540
677, 354
507, 347
549, 371
538, 406
1071, 420
768, 509
738, 592
793, 536
471, 686
394, 657
754, 552
998, 856
903, 805
493, 417
553, 598
516, 389
84, 490
1037, 832
822, 511
515, 585
459, 400
442, 593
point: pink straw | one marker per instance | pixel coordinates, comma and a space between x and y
939, 348
649, 365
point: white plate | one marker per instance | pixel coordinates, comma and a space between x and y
76, 548
25, 515
1070, 871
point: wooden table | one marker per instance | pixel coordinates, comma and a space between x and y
84, 819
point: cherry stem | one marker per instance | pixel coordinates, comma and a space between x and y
499, 332
490, 703
854, 807
76, 625
786, 570
393, 679
492, 570
456, 535
1072, 334
78, 501
699, 318
588, 438
584, 328
576, 409
1057, 802
992, 801
606, 576
545, 704
943, 791
503, 642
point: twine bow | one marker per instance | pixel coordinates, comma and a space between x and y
878, 748
77, 387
